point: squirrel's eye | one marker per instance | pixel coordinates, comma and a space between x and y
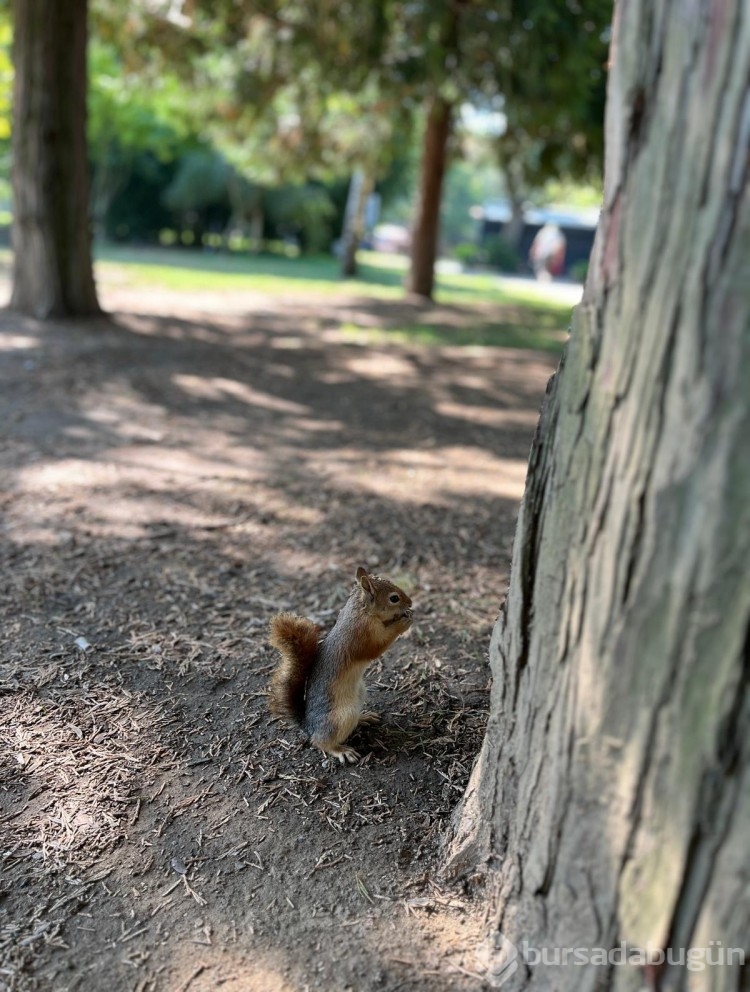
394, 597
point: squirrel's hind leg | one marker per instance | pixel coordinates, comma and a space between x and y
341, 752
330, 739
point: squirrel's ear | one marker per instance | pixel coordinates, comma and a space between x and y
365, 582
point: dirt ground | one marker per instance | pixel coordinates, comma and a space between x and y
169, 482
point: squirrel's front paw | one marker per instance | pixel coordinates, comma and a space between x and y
369, 717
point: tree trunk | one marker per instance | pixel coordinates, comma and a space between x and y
354, 220
611, 798
52, 272
427, 223
513, 230
257, 222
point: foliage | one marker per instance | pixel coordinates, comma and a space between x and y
129, 116
135, 211
6, 109
500, 255
302, 212
575, 194
138, 112
396, 187
541, 62
468, 253
551, 77
201, 179
283, 96
468, 182
289, 90
579, 270
280, 101
6, 76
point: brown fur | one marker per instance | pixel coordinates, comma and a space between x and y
297, 640
319, 683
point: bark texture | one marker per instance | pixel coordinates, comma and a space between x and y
611, 799
421, 278
52, 272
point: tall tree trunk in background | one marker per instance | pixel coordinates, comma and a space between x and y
257, 223
513, 230
426, 230
52, 271
354, 221
611, 798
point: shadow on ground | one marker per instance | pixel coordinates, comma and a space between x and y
170, 483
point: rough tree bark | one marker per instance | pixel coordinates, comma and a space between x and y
421, 276
611, 799
52, 272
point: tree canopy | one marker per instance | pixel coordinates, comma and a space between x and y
219, 106
289, 91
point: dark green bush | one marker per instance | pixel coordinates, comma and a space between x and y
467, 253
579, 270
500, 255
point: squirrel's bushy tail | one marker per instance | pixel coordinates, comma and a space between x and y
297, 639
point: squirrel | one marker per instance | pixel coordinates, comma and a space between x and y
319, 682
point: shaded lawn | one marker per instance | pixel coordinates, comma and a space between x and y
469, 310
527, 329
379, 275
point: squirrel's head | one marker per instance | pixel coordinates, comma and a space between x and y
381, 597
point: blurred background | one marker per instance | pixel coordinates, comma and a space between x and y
297, 129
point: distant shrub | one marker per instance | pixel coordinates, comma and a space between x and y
467, 253
302, 216
579, 270
500, 255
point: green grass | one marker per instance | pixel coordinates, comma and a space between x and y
459, 287
379, 276
479, 309
500, 335
175, 268
517, 317
539, 333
